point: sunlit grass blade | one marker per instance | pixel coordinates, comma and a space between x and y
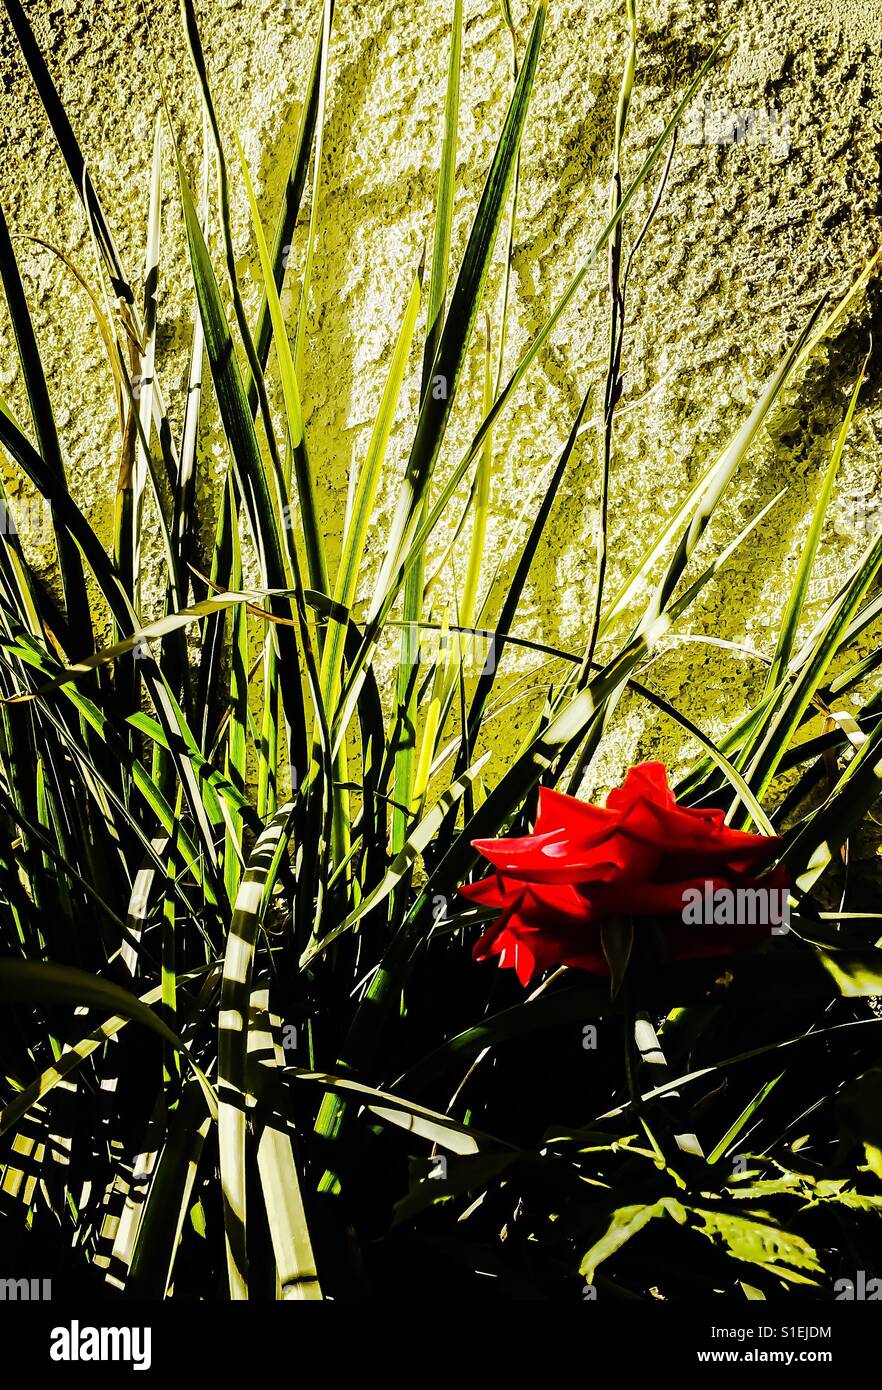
251, 475
465, 301
282, 242
148, 356
321, 100
413, 847
719, 475
793, 611
150, 632
73, 581
346, 585
818, 329
772, 741
312, 535
279, 1179
235, 1008
22, 980
168, 1199
437, 382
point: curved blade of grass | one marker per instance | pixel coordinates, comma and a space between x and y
291, 205
277, 1168
69, 562
46, 982
312, 535
234, 1023
416, 843
818, 329
793, 611
104, 329
150, 632
459, 322
321, 99
148, 357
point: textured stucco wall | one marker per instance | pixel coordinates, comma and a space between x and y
748, 237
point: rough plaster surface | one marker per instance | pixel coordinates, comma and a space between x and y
748, 237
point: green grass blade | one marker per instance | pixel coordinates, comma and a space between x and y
321, 99
277, 1168
465, 302
312, 535
47, 982
234, 1023
72, 578
291, 205
793, 611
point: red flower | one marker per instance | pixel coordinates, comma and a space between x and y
637, 856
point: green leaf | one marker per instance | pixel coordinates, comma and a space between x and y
291, 203
233, 1030
165, 1205
276, 1165
737, 1127
858, 974
793, 611
313, 541
759, 1242
47, 983
70, 564
321, 99
357, 531
626, 1223
465, 301
279, 570
405, 1114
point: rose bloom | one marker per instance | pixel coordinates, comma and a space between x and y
634, 857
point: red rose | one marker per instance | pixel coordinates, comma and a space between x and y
637, 856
